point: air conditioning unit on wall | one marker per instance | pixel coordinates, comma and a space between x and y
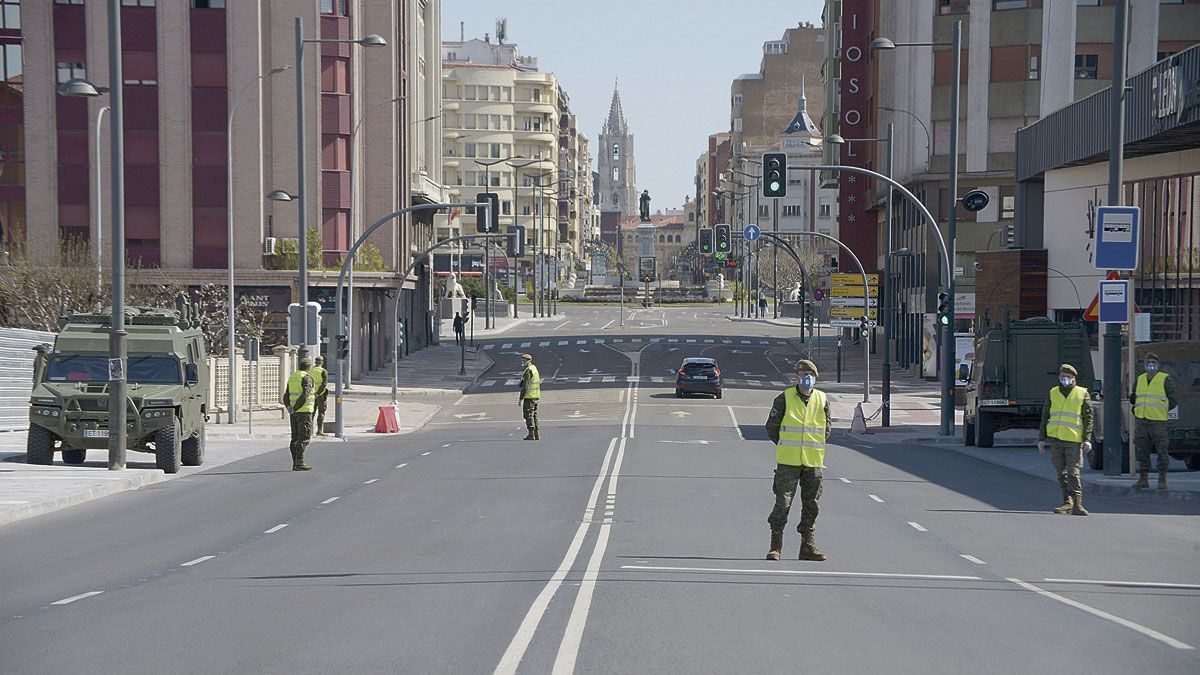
269, 246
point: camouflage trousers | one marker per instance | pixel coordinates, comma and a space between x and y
1151, 437
787, 479
319, 414
301, 432
529, 411
1067, 458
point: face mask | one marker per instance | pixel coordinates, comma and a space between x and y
808, 381
525, 364
1151, 367
1066, 381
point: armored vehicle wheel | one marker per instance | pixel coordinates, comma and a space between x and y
39, 446
985, 433
74, 456
968, 432
1193, 461
192, 452
167, 448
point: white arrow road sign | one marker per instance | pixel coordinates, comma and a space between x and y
688, 442
739, 351
750, 376
479, 416
851, 302
681, 413
576, 414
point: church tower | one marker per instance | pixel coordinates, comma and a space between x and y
618, 179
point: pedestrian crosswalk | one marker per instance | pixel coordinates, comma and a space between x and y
776, 342
627, 379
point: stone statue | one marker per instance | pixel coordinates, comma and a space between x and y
644, 206
572, 280
794, 295
496, 294
720, 281
454, 290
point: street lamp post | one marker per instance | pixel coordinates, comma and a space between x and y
487, 253
516, 212
99, 211
947, 355
301, 170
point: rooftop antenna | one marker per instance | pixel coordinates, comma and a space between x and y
462, 31
501, 30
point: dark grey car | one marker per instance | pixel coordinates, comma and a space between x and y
698, 375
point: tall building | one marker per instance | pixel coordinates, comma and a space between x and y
617, 194
194, 72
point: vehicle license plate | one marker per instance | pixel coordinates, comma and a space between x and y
993, 401
95, 433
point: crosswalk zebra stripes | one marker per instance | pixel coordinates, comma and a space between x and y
642, 379
600, 341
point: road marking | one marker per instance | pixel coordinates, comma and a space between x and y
331, 500
427, 452
275, 529
445, 445
202, 558
973, 559
562, 342
401, 466
558, 327
581, 342
876, 498
487, 347
608, 324
584, 380
489, 383
511, 383
609, 378
1130, 584
543, 344
373, 480
656, 379
708, 342
1148, 632
506, 345
917, 527
736, 427
816, 573
525, 344
524, 635
844, 480
73, 598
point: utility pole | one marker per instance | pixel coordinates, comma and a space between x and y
1112, 331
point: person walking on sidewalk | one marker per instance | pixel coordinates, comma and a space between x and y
531, 393
320, 378
1152, 401
298, 399
762, 306
460, 326
1067, 426
798, 425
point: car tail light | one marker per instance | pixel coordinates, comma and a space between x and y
681, 372
717, 372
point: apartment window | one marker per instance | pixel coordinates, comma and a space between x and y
537, 95
495, 93
468, 92
495, 151
953, 6
824, 208
1086, 66
495, 122
737, 99
737, 124
196, 4
506, 208
495, 180
764, 211
339, 7
68, 2
792, 211
1089, 3
1009, 4
138, 3
10, 69
68, 70
507, 94
449, 91
468, 150
775, 47
1034, 61
10, 14
468, 121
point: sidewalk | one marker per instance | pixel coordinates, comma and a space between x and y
502, 324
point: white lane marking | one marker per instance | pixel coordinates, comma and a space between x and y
525, 344
511, 383
1148, 632
401, 466
736, 426
331, 500
197, 561
972, 558
611, 378
584, 342
917, 527
368, 482
430, 452
1130, 584
524, 635
584, 380
487, 347
558, 327
656, 379
844, 480
608, 324
876, 498
73, 598
445, 445
547, 344
275, 529
488, 383
563, 342
506, 345
816, 573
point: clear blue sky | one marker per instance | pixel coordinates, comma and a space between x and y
675, 60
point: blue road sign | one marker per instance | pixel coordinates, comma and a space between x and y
751, 233
1117, 237
1114, 301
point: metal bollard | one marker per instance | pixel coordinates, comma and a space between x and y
839, 361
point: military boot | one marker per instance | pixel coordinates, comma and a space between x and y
1142, 481
808, 547
537, 433
1162, 479
1077, 509
776, 545
298, 463
1067, 506
529, 435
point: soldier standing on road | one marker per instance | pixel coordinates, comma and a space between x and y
531, 393
1067, 425
320, 378
298, 399
1152, 401
799, 425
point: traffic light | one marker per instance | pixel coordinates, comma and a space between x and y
808, 312
862, 327
722, 234
491, 222
944, 313
516, 241
706, 241
343, 347
833, 261
774, 174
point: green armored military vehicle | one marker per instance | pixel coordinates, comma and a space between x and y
1016, 364
167, 376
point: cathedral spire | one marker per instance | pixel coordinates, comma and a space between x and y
616, 116
802, 123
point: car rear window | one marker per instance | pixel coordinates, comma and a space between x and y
694, 368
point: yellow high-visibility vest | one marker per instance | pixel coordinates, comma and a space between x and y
1066, 414
1151, 402
533, 382
295, 390
320, 378
802, 434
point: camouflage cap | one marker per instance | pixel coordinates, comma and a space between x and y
804, 365
305, 363
320, 360
1068, 369
1150, 356
527, 357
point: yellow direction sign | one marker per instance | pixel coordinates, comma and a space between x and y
852, 279
851, 313
852, 291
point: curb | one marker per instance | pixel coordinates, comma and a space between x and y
490, 362
125, 483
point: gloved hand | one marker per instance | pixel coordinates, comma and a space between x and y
1041, 447
1086, 446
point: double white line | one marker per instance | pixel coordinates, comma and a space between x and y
568, 650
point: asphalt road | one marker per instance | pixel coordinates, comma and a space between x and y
630, 540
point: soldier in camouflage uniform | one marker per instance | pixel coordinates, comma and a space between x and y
1154, 395
320, 378
531, 393
1067, 427
298, 399
799, 425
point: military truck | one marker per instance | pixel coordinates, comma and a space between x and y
1016, 364
1181, 360
167, 388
